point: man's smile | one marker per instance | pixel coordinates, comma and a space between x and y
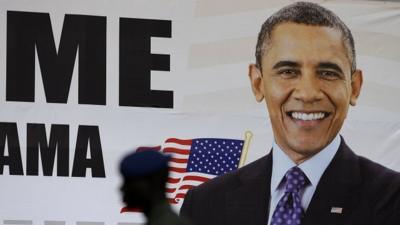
307, 119
299, 115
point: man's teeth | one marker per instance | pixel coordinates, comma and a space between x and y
308, 116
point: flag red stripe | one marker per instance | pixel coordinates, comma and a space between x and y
176, 150
171, 200
178, 170
144, 148
179, 141
186, 187
180, 195
178, 160
126, 209
170, 190
173, 180
196, 178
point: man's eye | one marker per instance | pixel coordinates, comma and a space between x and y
288, 73
330, 75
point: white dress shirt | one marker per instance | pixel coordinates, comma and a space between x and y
313, 168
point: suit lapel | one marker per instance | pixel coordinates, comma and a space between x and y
336, 194
247, 204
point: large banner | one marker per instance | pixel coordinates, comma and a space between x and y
83, 83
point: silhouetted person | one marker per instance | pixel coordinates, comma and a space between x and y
145, 175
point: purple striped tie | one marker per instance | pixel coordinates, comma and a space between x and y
288, 210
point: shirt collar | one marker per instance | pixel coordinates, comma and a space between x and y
313, 167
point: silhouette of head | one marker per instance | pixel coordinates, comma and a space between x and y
145, 174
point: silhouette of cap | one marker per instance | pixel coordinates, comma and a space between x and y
142, 163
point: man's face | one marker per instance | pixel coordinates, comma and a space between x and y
135, 192
307, 85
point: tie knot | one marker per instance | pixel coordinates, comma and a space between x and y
295, 180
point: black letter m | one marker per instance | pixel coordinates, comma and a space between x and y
27, 30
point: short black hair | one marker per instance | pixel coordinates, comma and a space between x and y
309, 14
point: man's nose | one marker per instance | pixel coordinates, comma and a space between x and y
308, 88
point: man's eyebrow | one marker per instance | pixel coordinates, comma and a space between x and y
329, 65
285, 63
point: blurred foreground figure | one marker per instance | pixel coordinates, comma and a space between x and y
145, 174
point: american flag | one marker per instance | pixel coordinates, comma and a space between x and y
195, 161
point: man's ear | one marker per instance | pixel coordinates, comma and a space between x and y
256, 81
356, 84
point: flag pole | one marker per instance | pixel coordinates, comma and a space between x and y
247, 138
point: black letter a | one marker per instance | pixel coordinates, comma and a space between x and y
8, 131
88, 134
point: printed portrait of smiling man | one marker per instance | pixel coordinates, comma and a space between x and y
306, 74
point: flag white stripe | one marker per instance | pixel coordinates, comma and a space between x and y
176, 145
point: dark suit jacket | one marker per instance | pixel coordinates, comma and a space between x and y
368, 193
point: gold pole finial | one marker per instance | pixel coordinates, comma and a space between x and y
247, 138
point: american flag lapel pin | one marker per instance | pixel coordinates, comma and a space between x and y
337, 210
